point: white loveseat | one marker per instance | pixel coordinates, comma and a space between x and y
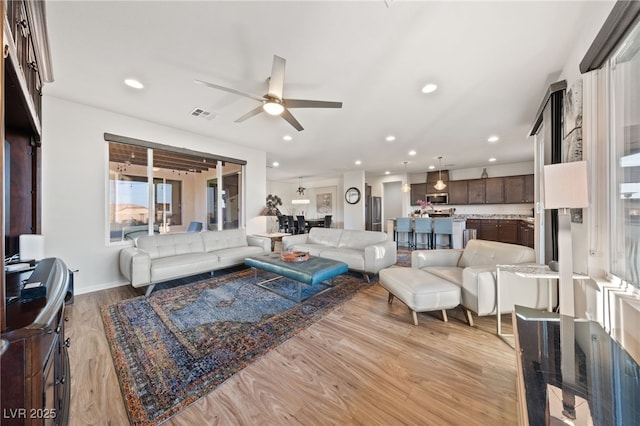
473, 269
364, 251
163, 257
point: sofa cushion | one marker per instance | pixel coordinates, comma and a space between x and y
358, 240
450, 273
491, 253
353, 258
236, 255
216, 240
170, 267
165, 245
312, 249
324, 236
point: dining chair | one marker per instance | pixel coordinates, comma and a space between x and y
282, 224
423, 226
302, 225
291, 225
327, 221
442, 226
195, 227
403, 225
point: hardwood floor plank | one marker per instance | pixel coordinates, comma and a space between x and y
363, 363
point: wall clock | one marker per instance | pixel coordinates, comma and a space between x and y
352, 195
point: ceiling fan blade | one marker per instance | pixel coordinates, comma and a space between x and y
255, 111
291, 120
226, 89
302, 103
276, 81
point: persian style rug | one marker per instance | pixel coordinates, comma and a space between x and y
404, 258
177, 345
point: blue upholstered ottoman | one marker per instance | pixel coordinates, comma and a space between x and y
314, 271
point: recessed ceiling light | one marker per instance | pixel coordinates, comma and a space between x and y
390, 138
275, 164
387, 172
412, 152
132, 82
429, 88
492, 159
287, 138
431, 167
358, 162
493, 138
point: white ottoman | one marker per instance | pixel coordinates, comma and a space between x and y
420, 290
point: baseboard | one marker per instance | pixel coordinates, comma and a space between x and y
99, 287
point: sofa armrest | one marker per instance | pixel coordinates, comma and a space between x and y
262, 242
439, 257
135, 265
379, 256
292, 240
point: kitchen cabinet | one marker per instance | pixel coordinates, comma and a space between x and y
494, 190
418, 192
476, 191
502, 230
526, 233
519, 189
458, 192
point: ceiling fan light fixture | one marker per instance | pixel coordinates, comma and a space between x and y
273, 108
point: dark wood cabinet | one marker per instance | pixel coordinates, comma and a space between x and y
35, 365
519, 189
418, 192
526, 234
458, 192
502, 230
476, 191
494, 190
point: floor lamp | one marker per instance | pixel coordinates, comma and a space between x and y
565, 188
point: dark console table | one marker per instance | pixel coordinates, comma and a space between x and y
600, 384
34, 366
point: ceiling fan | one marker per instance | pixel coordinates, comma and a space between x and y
273, 103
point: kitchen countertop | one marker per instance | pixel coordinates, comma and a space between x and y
495, 216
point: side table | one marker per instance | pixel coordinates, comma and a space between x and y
275, 237
527, 270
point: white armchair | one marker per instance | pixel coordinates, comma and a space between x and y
474, 269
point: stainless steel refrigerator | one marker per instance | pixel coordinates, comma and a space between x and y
373, 213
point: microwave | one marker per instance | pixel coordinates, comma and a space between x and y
441, 198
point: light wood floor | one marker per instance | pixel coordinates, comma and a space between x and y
364, 363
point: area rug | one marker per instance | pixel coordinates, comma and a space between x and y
174, 347
404, 258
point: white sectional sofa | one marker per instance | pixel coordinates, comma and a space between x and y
364, 251
473, 269
163, 257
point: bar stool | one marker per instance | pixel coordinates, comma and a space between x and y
423, 225
403, 225
442, 226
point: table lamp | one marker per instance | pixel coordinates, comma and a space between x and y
565, 188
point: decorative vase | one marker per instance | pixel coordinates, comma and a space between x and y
484, 174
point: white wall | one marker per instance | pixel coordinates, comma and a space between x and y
354, 213
74, 173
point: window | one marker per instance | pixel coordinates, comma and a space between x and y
624, 84
172, 187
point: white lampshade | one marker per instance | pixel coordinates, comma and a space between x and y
565, 185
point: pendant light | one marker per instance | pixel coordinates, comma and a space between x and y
440, 185
406, 187
300, 199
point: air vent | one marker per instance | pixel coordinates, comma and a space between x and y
202, 113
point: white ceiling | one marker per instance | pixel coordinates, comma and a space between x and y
492, 62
